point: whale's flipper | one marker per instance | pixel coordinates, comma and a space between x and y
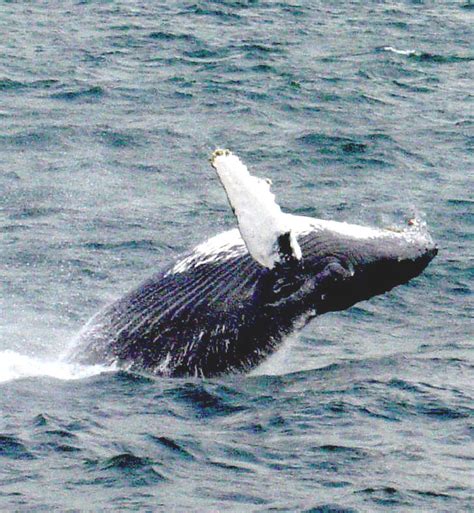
263, 226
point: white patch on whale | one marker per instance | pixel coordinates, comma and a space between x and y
261, 221
221, 247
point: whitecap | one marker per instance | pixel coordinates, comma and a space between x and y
399, 52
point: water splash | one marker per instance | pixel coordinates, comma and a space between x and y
14, 365
277, 364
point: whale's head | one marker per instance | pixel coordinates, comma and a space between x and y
310, 264
348, 263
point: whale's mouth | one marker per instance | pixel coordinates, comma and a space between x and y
383, 275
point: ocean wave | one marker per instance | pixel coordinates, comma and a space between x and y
397, 51
428, 56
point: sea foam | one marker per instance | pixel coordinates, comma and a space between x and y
14, 365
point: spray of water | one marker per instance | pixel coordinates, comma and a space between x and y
17, 366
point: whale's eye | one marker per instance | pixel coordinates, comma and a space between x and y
284, 287
333, 273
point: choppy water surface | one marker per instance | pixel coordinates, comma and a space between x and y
359, 111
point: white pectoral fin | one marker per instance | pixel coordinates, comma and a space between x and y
263, 226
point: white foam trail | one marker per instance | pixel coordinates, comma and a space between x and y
17, 366
399, 52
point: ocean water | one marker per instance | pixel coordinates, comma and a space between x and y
358, 111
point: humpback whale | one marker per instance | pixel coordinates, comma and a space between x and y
232, 300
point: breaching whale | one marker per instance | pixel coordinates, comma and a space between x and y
231, 301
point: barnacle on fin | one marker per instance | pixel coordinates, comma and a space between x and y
219, 152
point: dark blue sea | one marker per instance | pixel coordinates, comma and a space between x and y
359, 111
